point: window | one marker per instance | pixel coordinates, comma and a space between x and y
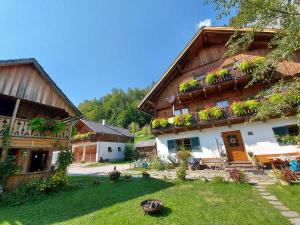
199, 77
119, 149
191, 144
233, 140
280, 132
223, 103
38, 161
109, 149
180, 111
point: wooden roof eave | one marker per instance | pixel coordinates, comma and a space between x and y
225, 30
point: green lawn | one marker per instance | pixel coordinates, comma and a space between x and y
191, 202
288, 195
107, 163
139, 137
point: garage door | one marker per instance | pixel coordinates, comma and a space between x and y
78, 154
90, 153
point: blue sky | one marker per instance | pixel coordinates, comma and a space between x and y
91, 46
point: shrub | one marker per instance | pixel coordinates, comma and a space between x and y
222, 72
238, 108
65, 158
211, 78
183, 155
218, 179
216, 112
181, 172
114, 176
183, 120
146, 130
238, 176
129, 151
8, 168
288, 176
204, 115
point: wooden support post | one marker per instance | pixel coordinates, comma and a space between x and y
14, 115
4, 151
83, 155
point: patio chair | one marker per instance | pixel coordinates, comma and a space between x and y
294, 166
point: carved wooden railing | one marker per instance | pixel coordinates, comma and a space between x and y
21, 128
234, 74
226, 115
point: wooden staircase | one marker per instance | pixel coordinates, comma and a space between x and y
242, 165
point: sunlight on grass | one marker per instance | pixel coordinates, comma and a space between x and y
190, 202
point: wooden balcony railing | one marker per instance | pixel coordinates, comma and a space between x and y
21, 128
226, 118
234, 76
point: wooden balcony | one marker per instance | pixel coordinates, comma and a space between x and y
227, 119
21, 129
233, 80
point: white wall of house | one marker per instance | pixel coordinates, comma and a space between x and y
102, 150
261, 142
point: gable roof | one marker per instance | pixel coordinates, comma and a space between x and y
106, 129
44, 75
146, 143
196, 42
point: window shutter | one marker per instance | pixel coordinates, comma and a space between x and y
280, 131
196, 144
171, 146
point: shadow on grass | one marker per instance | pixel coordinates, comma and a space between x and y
84, 199
164, 213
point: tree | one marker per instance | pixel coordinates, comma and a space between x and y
118, 107
133, 127
284, 16
257, 15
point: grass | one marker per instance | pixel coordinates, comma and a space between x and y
140, 137
107, 163
191, 202
288, 195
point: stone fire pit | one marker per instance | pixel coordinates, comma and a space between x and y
151, 206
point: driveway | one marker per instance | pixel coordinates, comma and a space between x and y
81, 169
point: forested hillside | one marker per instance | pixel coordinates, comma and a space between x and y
117, 108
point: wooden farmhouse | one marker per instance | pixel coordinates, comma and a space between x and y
203, 78
99, 142
27, 92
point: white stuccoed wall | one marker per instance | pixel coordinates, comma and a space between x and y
261, 142
102, 150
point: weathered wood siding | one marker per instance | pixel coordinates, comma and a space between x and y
208, 59
24, 82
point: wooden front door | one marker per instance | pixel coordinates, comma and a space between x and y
234, 145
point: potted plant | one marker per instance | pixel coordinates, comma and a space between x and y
188, 85
211, 78
183, 120
204, 114
46, 126
238, 108
216, 112
287, 177
251, 105
159, 123
222, 73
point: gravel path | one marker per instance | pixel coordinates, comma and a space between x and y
81, 169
